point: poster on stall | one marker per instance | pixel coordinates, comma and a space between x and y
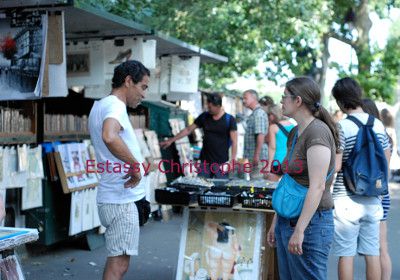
23, 37
76, 213
220, 245
32, 194
165, 74
116, 52
85, 63
57, 57
184, 74
121, 50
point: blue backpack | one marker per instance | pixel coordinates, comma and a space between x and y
366, 170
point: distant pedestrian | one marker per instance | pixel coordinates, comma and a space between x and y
255, 148
278, 132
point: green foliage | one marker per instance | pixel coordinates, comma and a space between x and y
288, 34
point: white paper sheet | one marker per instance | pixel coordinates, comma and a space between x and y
87, 211
32, 194
75, 221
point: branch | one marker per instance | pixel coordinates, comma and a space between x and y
342, 39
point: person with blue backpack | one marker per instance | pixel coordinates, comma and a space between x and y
362, 166
220, 133
369, 107
302, 228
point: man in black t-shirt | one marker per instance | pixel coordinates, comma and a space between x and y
219, 134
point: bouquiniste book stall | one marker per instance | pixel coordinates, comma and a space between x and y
59, 47
225, 227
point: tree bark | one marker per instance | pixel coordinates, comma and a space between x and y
324, 61
363, 25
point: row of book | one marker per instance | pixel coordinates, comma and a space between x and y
64, 123
138, 121
12, 121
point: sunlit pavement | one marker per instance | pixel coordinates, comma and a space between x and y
158, 254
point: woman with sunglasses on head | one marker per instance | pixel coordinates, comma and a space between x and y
278, 132
302, 228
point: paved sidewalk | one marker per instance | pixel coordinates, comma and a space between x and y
158, 254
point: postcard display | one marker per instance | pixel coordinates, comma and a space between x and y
22, 167
71, 160
156, 178
182, 145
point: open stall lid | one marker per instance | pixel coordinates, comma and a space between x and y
84, 22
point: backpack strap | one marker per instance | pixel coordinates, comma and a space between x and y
228, 122
281, 127
370, 121
355, 120
293, 144
228, 119
330, 174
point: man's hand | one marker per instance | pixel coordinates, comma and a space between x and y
166, 144
134, 178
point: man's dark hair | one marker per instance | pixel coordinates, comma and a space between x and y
215, 99
348, 92
132, 68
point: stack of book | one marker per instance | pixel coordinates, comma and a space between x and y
62, 123
12, 121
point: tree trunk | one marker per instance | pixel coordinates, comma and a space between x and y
324, 68
363, 25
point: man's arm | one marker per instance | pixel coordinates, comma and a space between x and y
338, 161
259, 143
318, 159
233, 135
184, 132
114, 142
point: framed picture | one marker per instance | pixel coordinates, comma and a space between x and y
78, 64
85, 65
220, 245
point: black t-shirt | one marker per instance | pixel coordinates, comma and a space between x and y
216, 138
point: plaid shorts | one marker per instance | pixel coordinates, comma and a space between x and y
122, 228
